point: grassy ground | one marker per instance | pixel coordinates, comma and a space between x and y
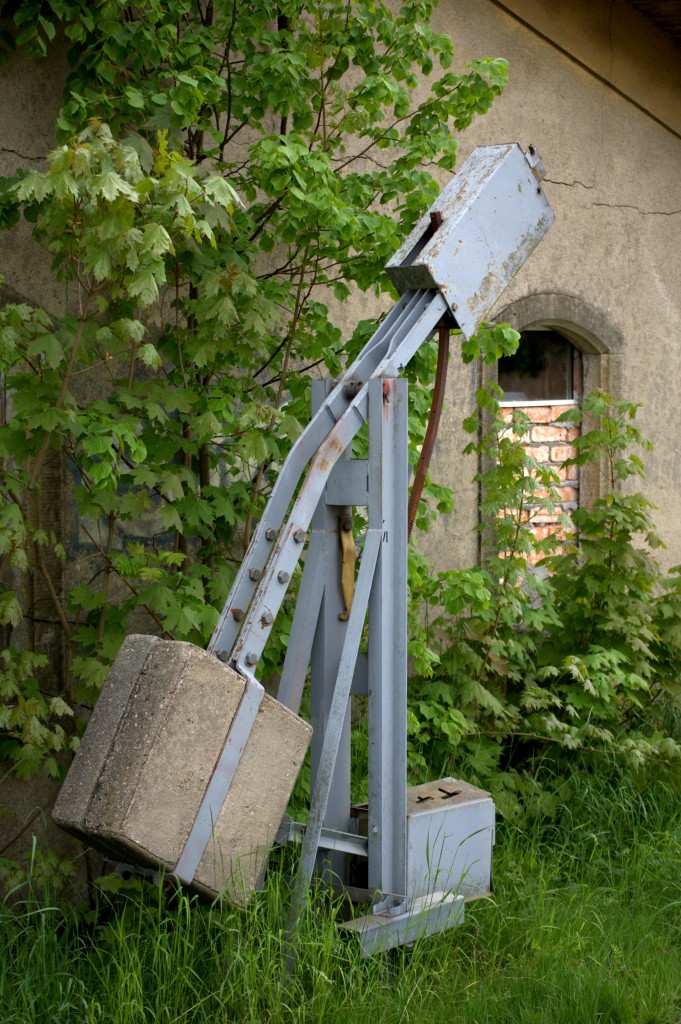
585, 926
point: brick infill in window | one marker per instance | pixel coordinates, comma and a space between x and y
550, 443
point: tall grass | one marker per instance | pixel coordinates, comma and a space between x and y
585, 925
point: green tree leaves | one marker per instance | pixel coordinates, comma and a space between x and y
227, 172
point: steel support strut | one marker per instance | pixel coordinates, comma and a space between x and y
240, 633
382, 590
388, 473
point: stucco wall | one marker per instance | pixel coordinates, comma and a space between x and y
609, 268
30, 98
596, 88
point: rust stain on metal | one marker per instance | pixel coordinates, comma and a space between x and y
494, 282
388, 385
326, 461
489, 288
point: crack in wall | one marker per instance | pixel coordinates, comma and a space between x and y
616, 206
644, 213
22, 156
568, 184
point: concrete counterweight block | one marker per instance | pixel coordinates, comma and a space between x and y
149, 752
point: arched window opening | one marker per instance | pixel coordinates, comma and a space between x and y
596, 345
544, 379
546, 368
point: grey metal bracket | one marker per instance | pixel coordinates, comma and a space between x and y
221, 780
329, 838
390, 906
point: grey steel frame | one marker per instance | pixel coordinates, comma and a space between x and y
263, 578
453, 266
317, 633
381, 588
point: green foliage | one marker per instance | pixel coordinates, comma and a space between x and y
580, 653
226, 173
309, 108
134, 406
597, 891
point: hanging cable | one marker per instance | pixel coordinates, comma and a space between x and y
433, 425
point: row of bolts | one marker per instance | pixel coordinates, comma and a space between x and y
254, 574
349, 390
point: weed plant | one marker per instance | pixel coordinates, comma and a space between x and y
584, 925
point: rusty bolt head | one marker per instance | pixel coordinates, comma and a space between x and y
352, 388
283, 577
251, 658
237, 614
270, 533
299, 536
254, 574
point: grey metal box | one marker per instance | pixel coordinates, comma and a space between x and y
149, 752
450, 836
493, 213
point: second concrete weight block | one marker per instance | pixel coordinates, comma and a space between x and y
148, 754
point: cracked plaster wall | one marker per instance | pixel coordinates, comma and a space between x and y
31, 94
613, 167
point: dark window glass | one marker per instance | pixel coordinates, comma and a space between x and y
546, 367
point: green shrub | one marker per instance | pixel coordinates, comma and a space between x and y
581, 652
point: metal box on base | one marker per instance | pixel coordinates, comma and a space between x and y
450, 837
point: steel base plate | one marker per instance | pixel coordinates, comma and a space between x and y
426, 916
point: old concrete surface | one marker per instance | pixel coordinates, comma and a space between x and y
614, 183
148, 754
31, 95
